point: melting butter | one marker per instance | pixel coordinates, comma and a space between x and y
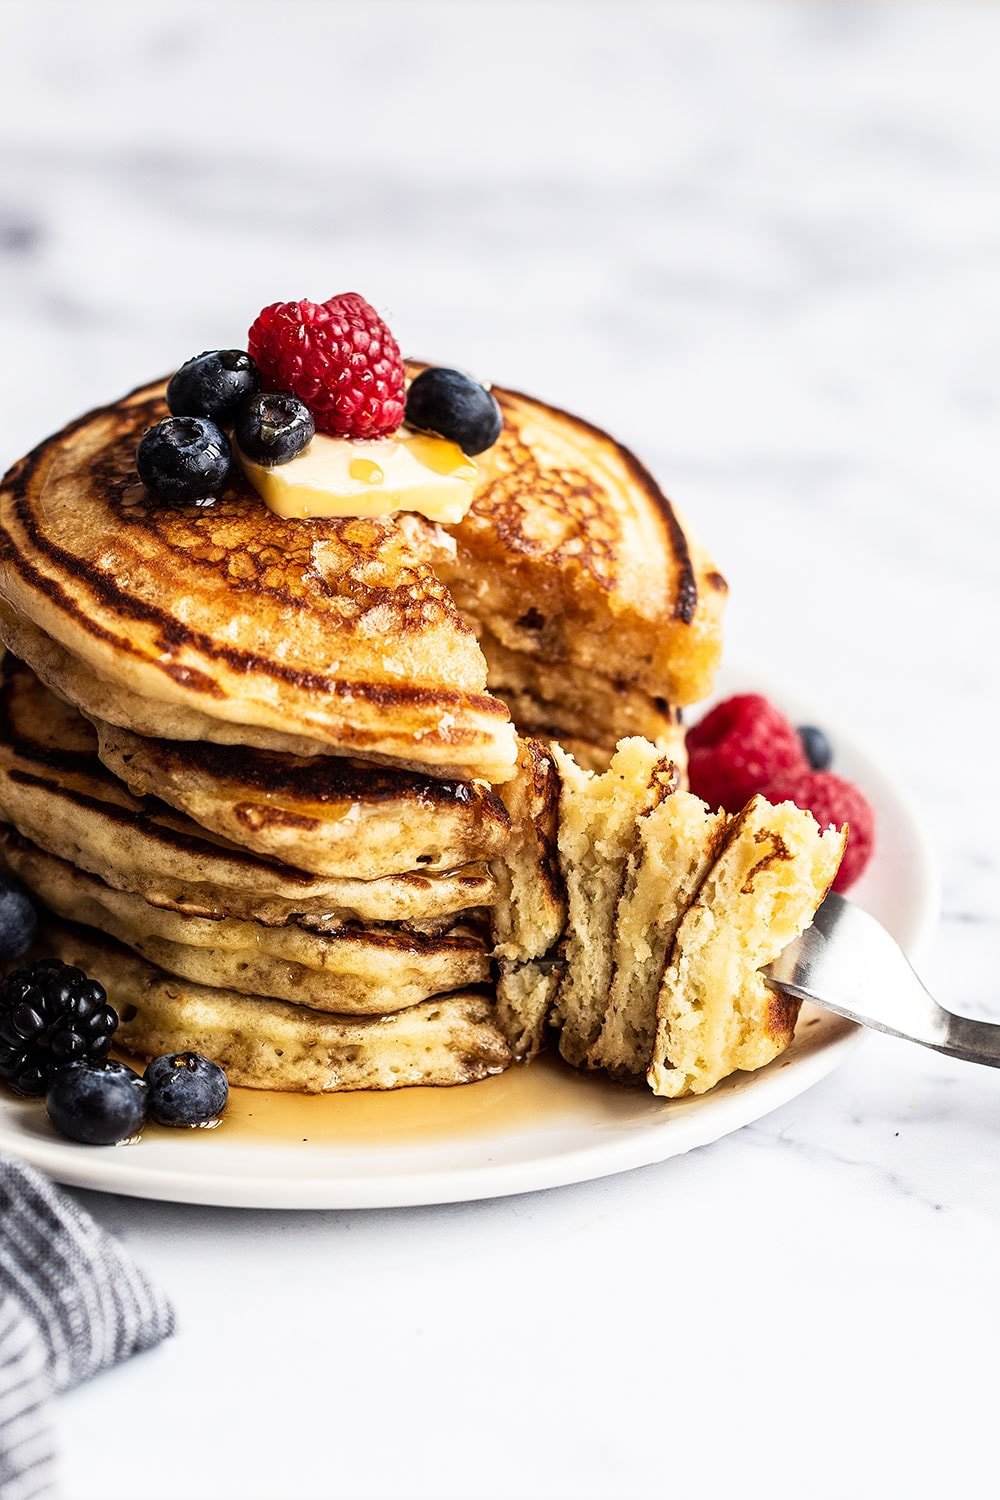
359, 477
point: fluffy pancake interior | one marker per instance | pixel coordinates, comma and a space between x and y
672, 848
715, 1013
530, 912
597, 816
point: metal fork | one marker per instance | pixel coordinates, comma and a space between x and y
847, 962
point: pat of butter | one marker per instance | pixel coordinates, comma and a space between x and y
361, 477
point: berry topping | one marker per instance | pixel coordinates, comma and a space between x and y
183, 458
816, 747
213, 385
450, 404
831, 799
98, 1104
186, 1089
273, 427
18, 920
336, 356
51, 1014
738, 749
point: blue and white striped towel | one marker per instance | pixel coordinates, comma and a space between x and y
72, 1302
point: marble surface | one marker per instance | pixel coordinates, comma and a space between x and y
762, 244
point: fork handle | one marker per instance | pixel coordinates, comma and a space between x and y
968, 1039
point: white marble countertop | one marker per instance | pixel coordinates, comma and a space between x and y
762, 244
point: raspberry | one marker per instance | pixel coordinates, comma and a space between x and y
336, 356
738, 749
831, 799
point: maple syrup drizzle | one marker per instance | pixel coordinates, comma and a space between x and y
544, 1094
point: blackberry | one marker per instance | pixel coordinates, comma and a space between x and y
186, 1089
213, 385
18, 920
454, 406
97, 1104
816, 747
51, 1014
273, 427
183, 458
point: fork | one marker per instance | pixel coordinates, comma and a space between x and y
847, 962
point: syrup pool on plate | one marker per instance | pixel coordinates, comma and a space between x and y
544, 1093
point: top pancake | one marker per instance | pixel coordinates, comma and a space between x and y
353, 636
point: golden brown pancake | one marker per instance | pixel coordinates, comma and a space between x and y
265, 1044
357, 969
579, 708
323, 813
333, 630
573, 556
221, 622
55, 792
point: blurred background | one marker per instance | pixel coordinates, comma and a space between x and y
760, 242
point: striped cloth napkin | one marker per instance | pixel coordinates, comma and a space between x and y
72, 1302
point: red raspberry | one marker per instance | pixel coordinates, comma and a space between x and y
738, 748
831, 799
336, 356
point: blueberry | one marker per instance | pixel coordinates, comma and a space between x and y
450, 404
273, 427
185, 1089
183, 458
18, 920
817, 748
213, 385
98, 1104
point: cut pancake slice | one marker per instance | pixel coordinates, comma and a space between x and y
530, 912
715, 1013
672, 848
597, 816
264, 1044
358, 969
573, 555
324, 814
55, 792
562, 702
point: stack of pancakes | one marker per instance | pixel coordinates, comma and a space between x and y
263, 773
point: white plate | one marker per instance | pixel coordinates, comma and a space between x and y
535, 1127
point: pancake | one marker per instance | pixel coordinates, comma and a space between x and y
221, 622
55, 792
577, 707
597, 817
355, 970
715, 1013
573, 557
530, 912
264, 1044
336, 631
324, 814
672, 847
